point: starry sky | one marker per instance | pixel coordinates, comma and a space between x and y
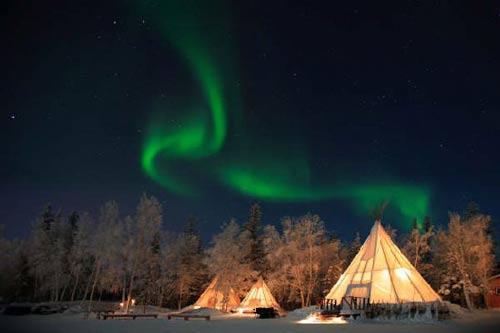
324, 107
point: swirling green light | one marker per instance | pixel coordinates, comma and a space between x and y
212, 88
185, 142
196, 138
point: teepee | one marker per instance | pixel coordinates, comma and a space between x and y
382, 273
259, 296
218, 295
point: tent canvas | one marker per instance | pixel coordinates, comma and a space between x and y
382, 273
218, 295
259, 296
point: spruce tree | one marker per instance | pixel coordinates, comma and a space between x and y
471, 210
73, 219
353, 248
47, 218
255, 256
427, 223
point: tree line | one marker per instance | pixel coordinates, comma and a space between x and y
80, 257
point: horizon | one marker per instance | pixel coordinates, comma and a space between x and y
207, 231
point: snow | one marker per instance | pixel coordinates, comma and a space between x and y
466, 321
301, 313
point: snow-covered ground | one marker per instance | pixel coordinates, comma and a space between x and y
481, 321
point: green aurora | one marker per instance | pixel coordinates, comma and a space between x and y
411, 201
200, 140
198, 136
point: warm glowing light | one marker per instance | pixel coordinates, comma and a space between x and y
315, 319
133, 301
121, 305
402, 273
385, 276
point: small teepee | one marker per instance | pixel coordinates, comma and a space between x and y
259, 296
382, 273
218, 295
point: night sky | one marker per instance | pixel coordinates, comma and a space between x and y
322, 107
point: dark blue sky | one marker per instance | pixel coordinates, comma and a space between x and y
405, 91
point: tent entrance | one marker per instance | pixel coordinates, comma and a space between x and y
361, 290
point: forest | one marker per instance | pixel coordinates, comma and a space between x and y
111, 257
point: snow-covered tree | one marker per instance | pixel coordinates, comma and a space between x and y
47, 255
191, 272
111, 279
79, 257
417, 248
481, 251
171, 253
333, 261
147, 228
277, 275
464, 253
103, 248
227, 258
7, 263
303, 239
303, 262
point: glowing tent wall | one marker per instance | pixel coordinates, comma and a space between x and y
381, 272
259, 296
218, 295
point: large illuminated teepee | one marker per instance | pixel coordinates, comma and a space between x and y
218, 295
382, 273
259, 296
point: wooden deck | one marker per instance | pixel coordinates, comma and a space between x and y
105, 316
188, 316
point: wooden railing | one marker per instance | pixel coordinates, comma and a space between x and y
356, 303
328, 304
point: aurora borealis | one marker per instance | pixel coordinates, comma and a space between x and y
325, 108
202, 136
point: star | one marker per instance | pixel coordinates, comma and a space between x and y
12, 116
